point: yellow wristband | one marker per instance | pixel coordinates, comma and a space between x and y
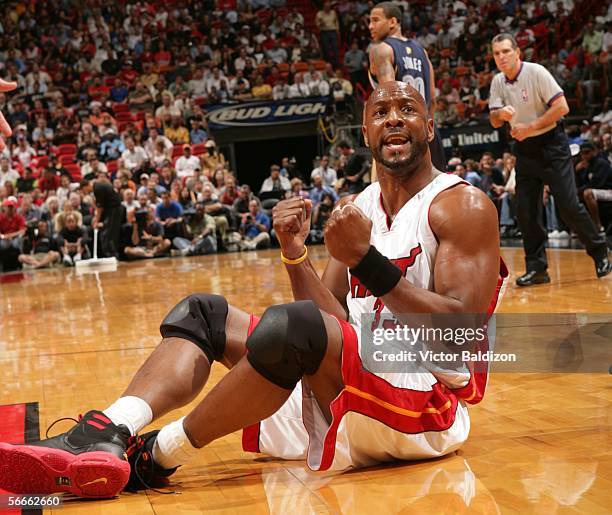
297, 261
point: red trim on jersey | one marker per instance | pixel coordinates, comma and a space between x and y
474, 390
405, 410
250, 434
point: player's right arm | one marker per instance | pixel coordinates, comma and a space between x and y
292, 226
381, 62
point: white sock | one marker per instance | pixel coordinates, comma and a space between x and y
132, 412
172, 447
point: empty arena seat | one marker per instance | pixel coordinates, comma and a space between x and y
66, 159
74, 170
67, 148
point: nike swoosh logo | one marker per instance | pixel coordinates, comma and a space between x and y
99, 480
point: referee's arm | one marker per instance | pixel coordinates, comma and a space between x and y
498, 112
552, 115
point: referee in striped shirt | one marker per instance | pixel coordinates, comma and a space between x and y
527, 96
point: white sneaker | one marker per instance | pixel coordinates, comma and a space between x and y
77, 257
554, 235
67, 261
563, 234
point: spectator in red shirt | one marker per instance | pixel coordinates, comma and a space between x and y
524, 37
12, 229
49, 182
162, 56
97, 90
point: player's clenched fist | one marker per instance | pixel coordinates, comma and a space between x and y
347, 234
292, 225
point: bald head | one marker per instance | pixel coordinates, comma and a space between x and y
396, 88
397, 128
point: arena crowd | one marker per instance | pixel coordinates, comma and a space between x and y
115, 94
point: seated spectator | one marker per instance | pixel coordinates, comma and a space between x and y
241, 204
12, 230
212, 159
299, 89
49, 182
154, 137
320, 215
64, 189
23, 152
7, 172
50, 210
92, 166
261, 90
280, 91
30, 212
297, 189
490, 175
140, 97
214, 208
129, 200
111, 147
161, 155
187, 165
255, 228
167, 109
119, 92
59, 220
147, 239
40, 250
318, 85
445, 114
108, 126
25, 184
327, 174
42, 130
197, 134
169, 214
275, 182
201, 235
73, 248
133, 157
229, 192
177, 133
317, 191
597, 181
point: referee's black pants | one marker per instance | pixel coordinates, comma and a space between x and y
546, 159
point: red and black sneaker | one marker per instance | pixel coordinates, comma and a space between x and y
145, 473
87, 461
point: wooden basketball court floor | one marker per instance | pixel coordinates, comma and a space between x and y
540, 443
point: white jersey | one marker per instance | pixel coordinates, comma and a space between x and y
407, 241
380, 415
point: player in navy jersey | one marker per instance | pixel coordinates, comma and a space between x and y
394, 57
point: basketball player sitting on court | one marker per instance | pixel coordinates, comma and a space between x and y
296, 383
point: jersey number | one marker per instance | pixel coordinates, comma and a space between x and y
416, 82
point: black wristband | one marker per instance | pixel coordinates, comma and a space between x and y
377, 273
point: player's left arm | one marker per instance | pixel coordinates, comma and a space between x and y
381, 62
553, 114
466, 268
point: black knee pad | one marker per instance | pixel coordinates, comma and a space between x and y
289, 341
199, 318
